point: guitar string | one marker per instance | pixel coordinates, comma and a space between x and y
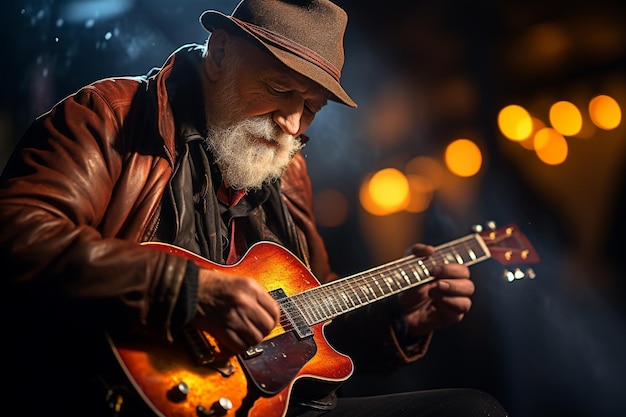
306, 302
334, 306
378, 283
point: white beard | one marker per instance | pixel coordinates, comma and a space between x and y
252, 152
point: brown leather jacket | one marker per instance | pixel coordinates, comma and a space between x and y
83, 189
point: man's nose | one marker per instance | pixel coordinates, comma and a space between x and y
289, 118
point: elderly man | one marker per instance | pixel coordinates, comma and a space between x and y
201, 154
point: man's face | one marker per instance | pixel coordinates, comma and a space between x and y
255, 116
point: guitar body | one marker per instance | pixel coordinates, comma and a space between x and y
257, 385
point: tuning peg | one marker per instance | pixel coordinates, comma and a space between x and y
517, 274
477, 228
513, 275
491, 225
508, 275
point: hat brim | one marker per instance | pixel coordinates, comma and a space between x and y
213, 19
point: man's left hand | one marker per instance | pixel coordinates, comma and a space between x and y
441, 302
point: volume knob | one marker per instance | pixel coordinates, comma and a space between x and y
219, 408
178, 392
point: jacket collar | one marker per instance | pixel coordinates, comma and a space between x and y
179, 77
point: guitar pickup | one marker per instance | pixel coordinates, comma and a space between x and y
253, 352
292, 313
202, 350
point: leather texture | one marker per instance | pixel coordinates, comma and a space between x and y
86, 182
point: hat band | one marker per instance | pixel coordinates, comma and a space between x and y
300, 50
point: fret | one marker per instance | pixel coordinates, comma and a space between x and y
463, 251
416, 274
346, 301
293, 318
376, 295
313, 312
333, 302
405, 276
324, 308
306, 312
338, 301
396, 281
317, 309
366, 289
327, 301
459, 258
389, 281
356, 294
448, 257
310, 312
349, 301
425, 269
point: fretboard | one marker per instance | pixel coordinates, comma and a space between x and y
327, 301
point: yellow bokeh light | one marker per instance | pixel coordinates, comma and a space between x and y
368, 204
566, 118
385, 192
550, 146
515, 122
463, 157
605, 112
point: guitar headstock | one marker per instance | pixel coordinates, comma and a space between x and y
509, 246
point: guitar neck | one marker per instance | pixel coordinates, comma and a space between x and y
338, 297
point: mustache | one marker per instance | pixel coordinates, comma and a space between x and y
264, 127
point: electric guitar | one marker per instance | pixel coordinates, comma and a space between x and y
195, 378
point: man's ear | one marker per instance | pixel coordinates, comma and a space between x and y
216, 48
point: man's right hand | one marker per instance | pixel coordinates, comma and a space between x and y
237, 311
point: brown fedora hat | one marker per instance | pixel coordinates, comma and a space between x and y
305, 35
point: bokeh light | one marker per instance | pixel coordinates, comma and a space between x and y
463, 158
565, 118
515, 122
385, 192
605, 112
550, 146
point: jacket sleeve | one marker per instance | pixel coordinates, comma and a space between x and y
59, 194
370, 335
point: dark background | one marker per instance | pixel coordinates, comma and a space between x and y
423, 74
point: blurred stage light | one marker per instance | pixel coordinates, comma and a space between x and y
515, 122
565, 118
463, 158
550, 146
605, 112
86, 11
